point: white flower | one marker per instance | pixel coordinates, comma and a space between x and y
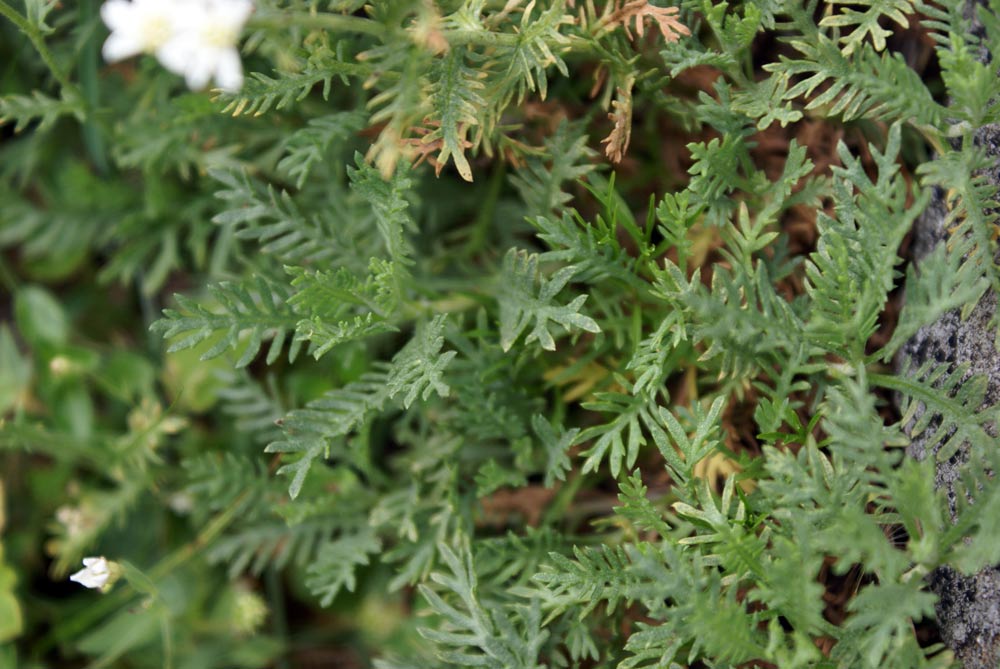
204, 46
193, 38
95, 574
140, 26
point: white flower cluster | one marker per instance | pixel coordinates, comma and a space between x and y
193, 38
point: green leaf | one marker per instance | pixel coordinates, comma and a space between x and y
389, 203
520, 304
850, 274
861, 84
337, 306
867, 22
247, 314
556, 446
765, 100
476, 633
978, 551
632, 412
541, 179
25, 109
261, 93
883, 615
689, 450
41, 317
311, 146
336, 564
274, 544
418, 369
311, 430
637, 507
457, 101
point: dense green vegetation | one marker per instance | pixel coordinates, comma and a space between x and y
490, 334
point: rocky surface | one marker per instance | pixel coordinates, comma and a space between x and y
968, 607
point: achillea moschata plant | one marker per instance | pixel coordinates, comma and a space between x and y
497, 333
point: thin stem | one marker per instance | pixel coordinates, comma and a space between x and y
484, 219
87, 70
279, 620
557, 510
334, 22
483, 38
38, 40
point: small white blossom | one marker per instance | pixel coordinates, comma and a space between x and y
204, 47
194, 38
95, 573
140, 26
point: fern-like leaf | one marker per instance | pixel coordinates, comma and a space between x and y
261, 93
274, 544
631, 411
682, 452
388, 200
255, 311
418, 369
567, 158
273, 219
311, 429
867, 84
337, 306
556, 445
520, 304
337, 561
942, 407
457, 101
867, 22
851, 272
481, 634
941, 282
310, 145
25, 109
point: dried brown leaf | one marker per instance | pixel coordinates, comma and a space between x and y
621, 134
638, 11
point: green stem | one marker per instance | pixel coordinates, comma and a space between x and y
564, 497
38, 40
484, 38
279, 621
334, 22
205, 537
484, 219
87, 70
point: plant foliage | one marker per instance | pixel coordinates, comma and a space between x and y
381, 353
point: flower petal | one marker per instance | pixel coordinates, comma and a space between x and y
175, 55
95, 573
120, 46
229, 71
117, 14
199, 71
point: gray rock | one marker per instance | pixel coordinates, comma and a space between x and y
968, 607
